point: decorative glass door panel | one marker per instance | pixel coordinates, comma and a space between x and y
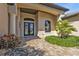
31, 30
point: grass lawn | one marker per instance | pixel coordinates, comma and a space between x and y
71, 41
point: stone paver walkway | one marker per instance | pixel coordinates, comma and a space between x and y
39, 47
53, 50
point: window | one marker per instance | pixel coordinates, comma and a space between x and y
47, 26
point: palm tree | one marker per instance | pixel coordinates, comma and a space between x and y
63, 28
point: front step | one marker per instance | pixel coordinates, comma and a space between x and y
30, 37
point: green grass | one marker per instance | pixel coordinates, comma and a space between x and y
71, 41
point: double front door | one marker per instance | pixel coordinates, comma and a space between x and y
28, 28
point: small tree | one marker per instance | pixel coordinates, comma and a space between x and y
63, 28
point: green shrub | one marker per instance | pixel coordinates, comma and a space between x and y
70, 41
9, 41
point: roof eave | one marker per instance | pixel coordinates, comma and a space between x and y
52, 5
70, 16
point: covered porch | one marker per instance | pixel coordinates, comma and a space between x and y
27, 20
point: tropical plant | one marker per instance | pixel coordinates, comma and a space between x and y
63, 28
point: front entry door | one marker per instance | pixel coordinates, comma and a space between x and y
28, 28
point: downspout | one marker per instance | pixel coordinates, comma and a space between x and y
8, 19
8, 23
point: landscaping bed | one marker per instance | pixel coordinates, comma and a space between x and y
71, 41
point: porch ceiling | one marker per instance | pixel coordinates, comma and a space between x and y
26, 10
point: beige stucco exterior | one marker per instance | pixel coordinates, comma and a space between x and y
3, 19
74, 20
16, 18
41, 23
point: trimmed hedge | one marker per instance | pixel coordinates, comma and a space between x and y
71, 41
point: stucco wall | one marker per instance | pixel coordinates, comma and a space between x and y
3, 18
27, 15
41, 24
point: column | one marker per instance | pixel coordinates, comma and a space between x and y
13, 24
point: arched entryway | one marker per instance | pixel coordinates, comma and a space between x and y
28, 27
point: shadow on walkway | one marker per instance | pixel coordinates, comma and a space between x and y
24, 51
